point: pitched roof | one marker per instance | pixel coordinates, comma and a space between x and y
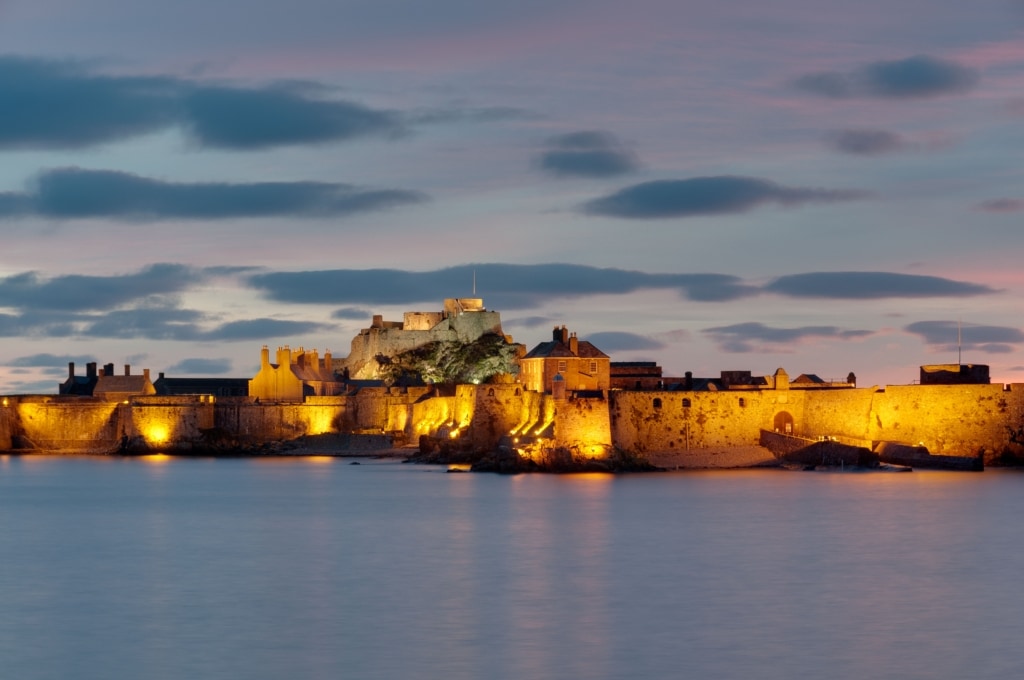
555, 349
126, 384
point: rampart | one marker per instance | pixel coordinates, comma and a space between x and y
947, 420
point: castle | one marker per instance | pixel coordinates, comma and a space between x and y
568, 394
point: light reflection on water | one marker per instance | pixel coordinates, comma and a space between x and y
314, 568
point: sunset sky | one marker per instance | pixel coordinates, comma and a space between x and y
820, 185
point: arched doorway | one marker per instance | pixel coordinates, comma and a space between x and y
784, 422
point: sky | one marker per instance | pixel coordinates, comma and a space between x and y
823, 186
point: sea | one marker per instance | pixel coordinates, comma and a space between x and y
162, 567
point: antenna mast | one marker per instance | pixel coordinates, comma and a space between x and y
958, 343
474, 283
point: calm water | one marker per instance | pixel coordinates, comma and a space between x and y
314, 568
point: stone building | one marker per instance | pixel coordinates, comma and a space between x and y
954, 374
218, 387
579, 364
110, 387
296, 375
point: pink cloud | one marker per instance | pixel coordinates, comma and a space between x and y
1001, 205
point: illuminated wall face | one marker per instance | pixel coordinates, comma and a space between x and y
64, 426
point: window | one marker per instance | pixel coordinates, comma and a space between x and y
593, 367
686, 403
657, 403
561, 366
743, 402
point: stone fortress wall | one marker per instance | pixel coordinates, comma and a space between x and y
957, 420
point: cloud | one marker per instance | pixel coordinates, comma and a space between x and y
186, 325
1001, 205
62, 104
621, 341
28, 291
503, 286
588, 153
865, 142
238, 118
706, 196
914, 77
351, 313
199, 366
45, 360
943, 336
74, 193
756, 337
871, 286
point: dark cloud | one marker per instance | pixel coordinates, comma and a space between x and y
950, 336
588, 153
46, 360
1001, 205
872, 285
199, 366
186, 325
914, 77
74, 193
756, 337
237, 118
706, 196
865, 142
28, 291
503, 286
63, 104
621, 341
153, 323
352, 314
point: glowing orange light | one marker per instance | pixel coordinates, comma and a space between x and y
157, 434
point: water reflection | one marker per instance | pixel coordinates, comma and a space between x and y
316, 568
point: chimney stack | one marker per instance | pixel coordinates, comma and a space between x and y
127, 369
71, 370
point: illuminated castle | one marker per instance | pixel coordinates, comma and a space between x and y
462, 320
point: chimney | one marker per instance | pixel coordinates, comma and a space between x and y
90, 369
145, 374
127, 369
265, 356
108, 370
574, 345
328, 364
71, 370
688, 380
561, 335
161, 375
